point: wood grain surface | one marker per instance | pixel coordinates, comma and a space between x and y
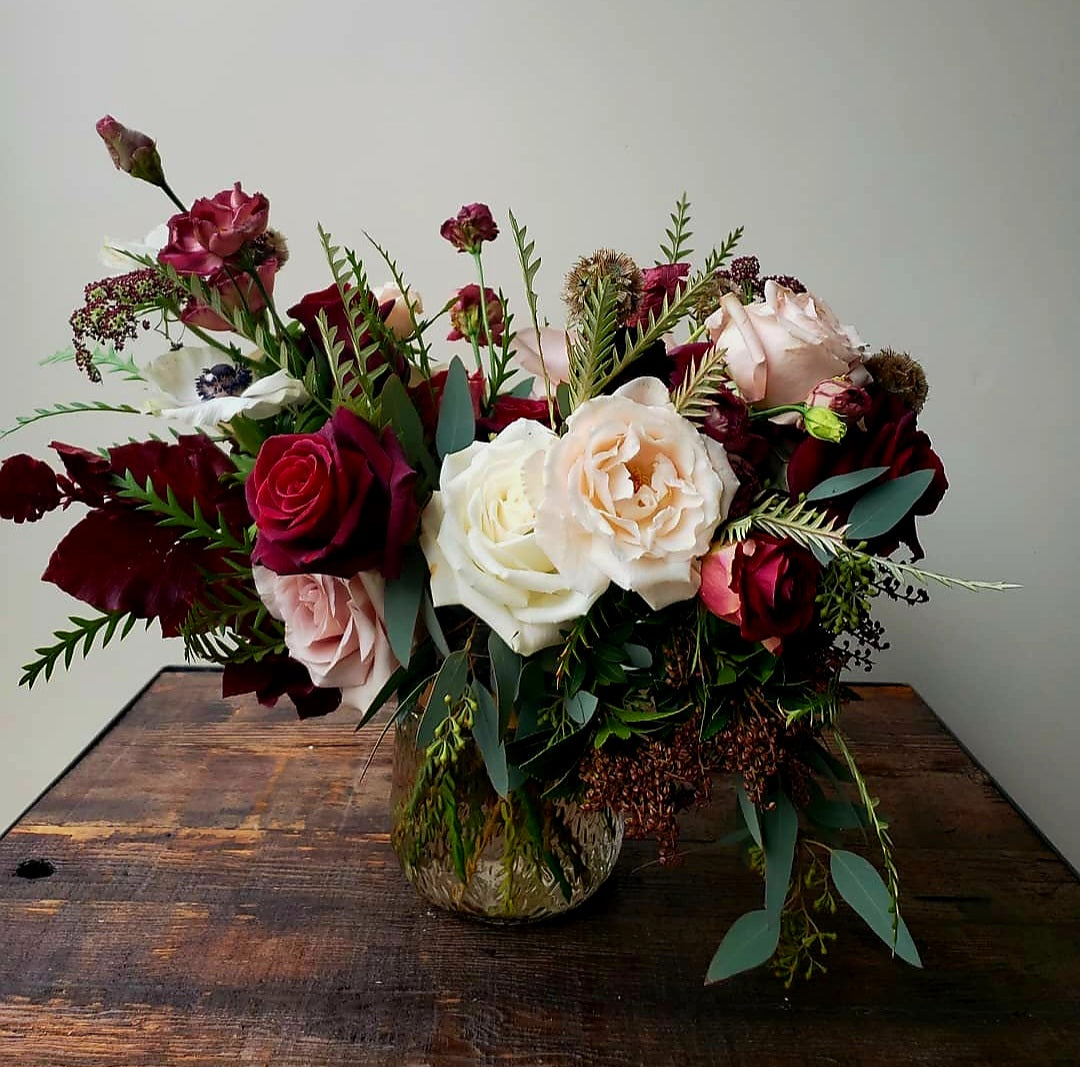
224, 894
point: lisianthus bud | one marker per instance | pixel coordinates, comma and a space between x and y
132, 152
824, 424
468, 230
467, 316
841, 396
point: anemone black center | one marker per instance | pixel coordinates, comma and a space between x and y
223, 379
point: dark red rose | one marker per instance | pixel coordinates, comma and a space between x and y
472, 225
131, 151
509, 409
203, 239
467, 316
658, 284
886, 437
337, 501
765, 586
28, 489
237, 289
277, 676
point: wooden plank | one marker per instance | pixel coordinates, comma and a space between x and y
225, 893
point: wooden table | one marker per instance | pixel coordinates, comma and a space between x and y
224, 893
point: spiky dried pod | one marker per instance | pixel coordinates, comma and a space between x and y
898, 373
617, 269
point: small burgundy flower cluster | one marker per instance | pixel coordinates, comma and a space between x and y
113, 310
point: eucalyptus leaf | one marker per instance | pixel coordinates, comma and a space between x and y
486, 731
457, 420
749, 814
581, 707
861, 886
638, 655
880, 509
845, 483
563, 400
523, 390
751, 941
400, 411
449, 682
382, 696
431, 622
781, 827
506, 667
401, 605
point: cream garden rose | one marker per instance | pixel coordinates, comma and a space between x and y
779, 348
400, 321
632, 494
334, 627
479, 536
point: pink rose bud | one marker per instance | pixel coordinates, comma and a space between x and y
469, 229
132, 152
840, 395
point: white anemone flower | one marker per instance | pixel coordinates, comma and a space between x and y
197, 386
112, 252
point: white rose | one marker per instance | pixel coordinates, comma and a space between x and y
479, 537
334, 627
633, 492
399, 320
779, 348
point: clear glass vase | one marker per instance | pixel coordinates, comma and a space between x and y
463, 847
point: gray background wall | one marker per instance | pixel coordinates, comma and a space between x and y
915, 163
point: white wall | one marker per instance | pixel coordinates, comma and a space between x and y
915, 163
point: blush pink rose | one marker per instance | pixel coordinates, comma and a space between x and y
780, 347
334, 627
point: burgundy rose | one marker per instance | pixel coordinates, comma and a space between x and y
886, 437
337, 501
764, 585
472, 225
467, 316
237, 289
658, 284
214, 230
28, 489
509, 409
132, 152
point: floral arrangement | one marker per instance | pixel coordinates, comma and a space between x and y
612, 557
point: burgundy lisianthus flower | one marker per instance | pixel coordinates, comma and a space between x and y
658, 284
467, 318
765, 586
336, 501
28, 489
840, 396
276, 676
214, 230
472, 225
888, 437
132, 152
237, 290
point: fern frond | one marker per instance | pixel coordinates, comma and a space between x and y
76, 407
703, 381
593, 350
529, 268
86, 631
403, 286
104, 359
719, 256
677, 250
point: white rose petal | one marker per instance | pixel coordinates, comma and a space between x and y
633, 493
478, 534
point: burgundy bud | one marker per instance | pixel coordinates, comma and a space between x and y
132, 152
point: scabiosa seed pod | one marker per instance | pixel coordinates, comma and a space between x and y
270, 245
708, 297
898, 373
617, 269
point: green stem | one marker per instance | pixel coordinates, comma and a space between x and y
766, 413
492, 384
167, 190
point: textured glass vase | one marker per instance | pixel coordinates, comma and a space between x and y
515, 859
